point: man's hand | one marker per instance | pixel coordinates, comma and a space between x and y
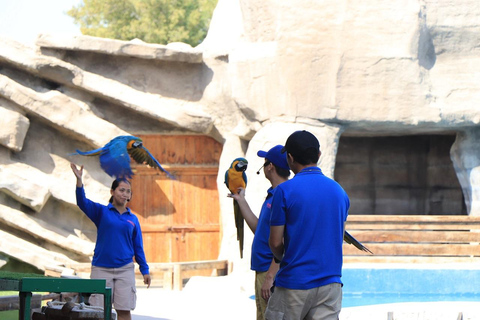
240, 195
147, 280
266, 286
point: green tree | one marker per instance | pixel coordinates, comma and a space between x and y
154, 21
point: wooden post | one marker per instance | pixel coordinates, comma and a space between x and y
177, 277
168, 279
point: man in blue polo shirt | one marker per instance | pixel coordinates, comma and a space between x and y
306, 236
276, 171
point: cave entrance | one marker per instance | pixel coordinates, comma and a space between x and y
399, 175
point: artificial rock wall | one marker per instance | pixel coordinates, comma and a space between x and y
265, 69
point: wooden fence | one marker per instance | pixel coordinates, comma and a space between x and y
414, 238
169, 275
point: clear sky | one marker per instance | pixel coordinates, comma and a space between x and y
23, 20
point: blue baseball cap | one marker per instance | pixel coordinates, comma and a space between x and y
275, 156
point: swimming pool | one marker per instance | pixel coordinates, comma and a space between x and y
409, 283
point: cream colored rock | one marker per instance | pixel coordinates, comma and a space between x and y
134, 48
13, 129
24, 184
342, 64
45, 231
30, 253
173, 111
61, 111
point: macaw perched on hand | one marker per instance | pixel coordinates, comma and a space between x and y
115, 156
351, 240
235, 178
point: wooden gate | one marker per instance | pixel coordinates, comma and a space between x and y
180, 218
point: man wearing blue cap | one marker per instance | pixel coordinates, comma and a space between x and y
276, 170
306, 236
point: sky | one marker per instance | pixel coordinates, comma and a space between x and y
23, 20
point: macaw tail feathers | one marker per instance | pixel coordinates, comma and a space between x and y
239, 224
95, 152
351, 240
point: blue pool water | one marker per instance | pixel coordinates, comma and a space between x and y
352, 300
381, 285
365, 286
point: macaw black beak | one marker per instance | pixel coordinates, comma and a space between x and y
241, 166
136, 144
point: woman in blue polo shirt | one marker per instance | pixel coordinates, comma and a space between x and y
119, 240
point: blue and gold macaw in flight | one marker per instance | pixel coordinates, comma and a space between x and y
235, 178
115, 156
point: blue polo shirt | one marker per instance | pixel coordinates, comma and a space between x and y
262, 256
119, 236
313, 208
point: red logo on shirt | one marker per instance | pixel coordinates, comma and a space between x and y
269, 205
133, 224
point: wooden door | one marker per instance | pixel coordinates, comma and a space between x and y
180, 218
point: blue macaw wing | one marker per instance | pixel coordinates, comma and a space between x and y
226, 173
226, 178
117, 166
115, 160
244, 176
142, 155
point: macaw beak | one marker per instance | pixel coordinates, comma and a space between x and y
241, 166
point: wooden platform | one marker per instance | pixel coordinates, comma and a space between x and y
414, 239
169, 275
175, 273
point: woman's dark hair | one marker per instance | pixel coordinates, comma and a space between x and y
115, 185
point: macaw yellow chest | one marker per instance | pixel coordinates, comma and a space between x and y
235, 180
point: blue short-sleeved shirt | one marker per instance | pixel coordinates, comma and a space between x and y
313, 208
262, 256
119, 236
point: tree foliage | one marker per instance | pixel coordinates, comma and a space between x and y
154, 21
